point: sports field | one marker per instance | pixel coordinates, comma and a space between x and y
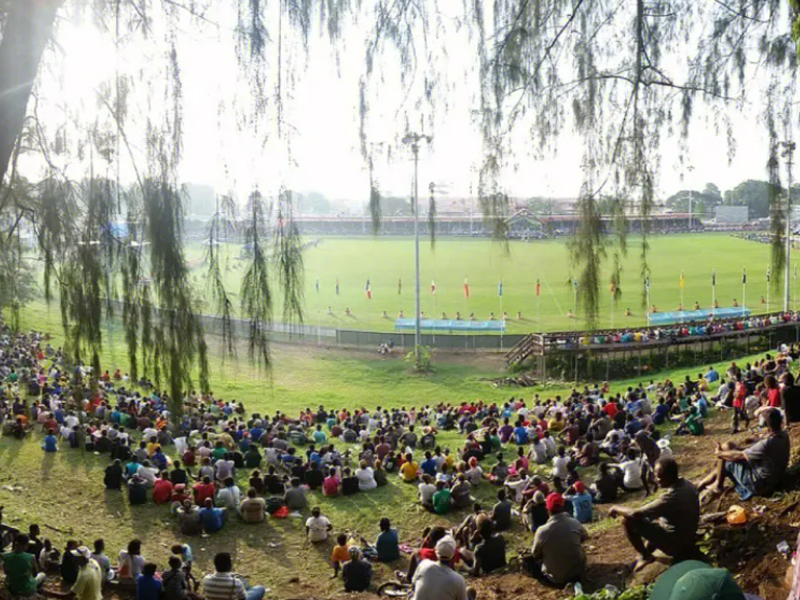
387, 262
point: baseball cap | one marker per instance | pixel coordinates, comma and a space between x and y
579, 487
81, 551
695, 580
555, 500
446, 548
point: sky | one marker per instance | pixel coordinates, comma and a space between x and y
322, 114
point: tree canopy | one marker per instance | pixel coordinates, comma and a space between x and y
624, 76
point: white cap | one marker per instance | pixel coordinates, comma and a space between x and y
446, 548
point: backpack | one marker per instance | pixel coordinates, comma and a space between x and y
274, 504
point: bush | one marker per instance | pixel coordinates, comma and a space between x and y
423, 363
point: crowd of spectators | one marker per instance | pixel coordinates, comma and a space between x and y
568, 454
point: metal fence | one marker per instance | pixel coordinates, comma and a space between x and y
350, 338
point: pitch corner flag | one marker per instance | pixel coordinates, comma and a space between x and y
744, 276
538, 288
500, 288
433, 287
368, 290
714, 278
466, 289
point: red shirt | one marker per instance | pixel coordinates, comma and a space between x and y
430, 554
162, 491
611, 409
203, 491
774, 397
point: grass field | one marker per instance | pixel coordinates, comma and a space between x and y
384, 261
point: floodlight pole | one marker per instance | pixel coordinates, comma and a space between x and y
788, 153
414, 139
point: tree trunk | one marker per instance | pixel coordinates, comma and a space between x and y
25, 36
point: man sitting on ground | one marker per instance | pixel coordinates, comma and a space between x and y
437, 580
20, 568
223, 585
668, 524
757, 470
558, 555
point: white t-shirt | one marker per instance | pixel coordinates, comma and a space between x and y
560, 467
130, 567
366, 479
317, 528
538, 453
426, 492
229, 497
474, 476
148, 474
631, 474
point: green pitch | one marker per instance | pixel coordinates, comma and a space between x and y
484, 264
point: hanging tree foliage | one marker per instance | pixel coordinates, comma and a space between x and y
621, 75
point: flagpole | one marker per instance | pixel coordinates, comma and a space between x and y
744, 288
713, 292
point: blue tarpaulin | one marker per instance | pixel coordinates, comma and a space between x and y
698, 316
452, 325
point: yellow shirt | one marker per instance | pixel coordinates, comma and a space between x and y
151, 448
89, 585
409, 471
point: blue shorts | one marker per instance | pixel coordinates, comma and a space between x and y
741, 473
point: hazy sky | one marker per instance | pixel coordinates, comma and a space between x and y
322, 111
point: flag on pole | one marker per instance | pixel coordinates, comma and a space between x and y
714, 278
399, 286
500, 288
744, 276
368, 290
681, 281
769, 274
316, 285
337, 286
433, 287
466, 289
538, 288
795, 272
575, 283
612, 287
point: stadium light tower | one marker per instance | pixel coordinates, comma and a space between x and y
414, 139
788, 154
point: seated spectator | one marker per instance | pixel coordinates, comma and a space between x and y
534, 512
490, 553
330, 487
223, 585
604, 488
317, 526
295, 496
101, 559
387, 543
253, 509
410, 469
757, 470
557, 554
89, 582
668, 524
581, 503
22, 578
203, 490
442, 499
174, 580
212, 517
147, 586
696, 580
461, 492
366, 477
357, 572
113, 476
501, 512
229, 497
130, 563
349, 483
189, 518
162, 489
340, 554
426, 491
438, 579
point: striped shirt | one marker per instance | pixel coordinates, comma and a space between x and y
223, 586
